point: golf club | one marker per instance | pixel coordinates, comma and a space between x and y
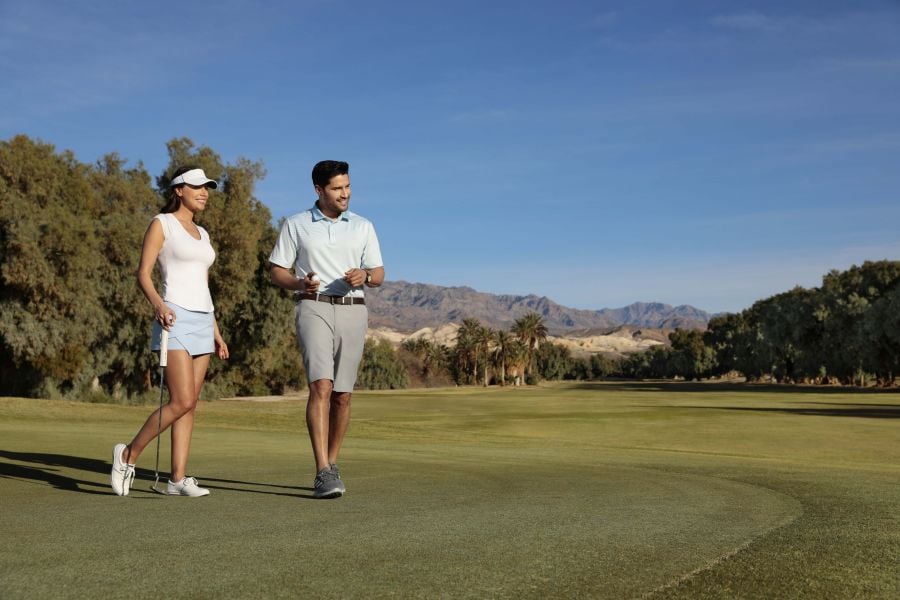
163, 360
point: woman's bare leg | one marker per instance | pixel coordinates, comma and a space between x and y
182, 399
183, 427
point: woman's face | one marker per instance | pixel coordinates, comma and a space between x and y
193, 197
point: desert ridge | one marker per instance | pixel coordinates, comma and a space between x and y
618, 341
404, 306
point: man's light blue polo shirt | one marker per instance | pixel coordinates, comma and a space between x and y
310, 241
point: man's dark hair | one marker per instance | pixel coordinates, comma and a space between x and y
326, 169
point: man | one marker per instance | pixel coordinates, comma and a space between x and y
334, 253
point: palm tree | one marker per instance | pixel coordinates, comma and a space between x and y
516, 361
432, 354
418, 346
484, 337
503, 340
467, 348
532, 331
435, 359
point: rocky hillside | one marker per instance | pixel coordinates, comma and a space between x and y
407, 307
619, 341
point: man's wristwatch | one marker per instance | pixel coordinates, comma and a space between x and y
368, 278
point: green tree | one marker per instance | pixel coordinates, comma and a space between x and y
595, 366
724, 336
554, 362
484, 339
847, 299
503, 348
466, 352
433, 356
654, 363
122, 356
882, 328
810, 334
51, 310
690, 357
418, 346
530, 329
381, 368
603, 366
435, 359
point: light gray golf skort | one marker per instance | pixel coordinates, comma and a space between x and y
331, 338
192, 331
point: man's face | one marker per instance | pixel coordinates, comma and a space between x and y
334, 198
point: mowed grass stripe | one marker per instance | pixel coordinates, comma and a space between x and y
561, 491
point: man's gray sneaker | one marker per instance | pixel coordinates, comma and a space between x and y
327, 484
337, 473
122, 474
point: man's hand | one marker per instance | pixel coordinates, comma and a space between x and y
285, 279
355, 277
311, 283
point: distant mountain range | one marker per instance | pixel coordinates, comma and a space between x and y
403, 306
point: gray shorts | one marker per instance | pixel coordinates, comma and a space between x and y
331, 339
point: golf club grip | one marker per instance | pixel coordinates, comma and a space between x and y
164, 348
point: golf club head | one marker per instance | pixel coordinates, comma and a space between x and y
156, 489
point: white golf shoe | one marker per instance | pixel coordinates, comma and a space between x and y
122, 474
186, 487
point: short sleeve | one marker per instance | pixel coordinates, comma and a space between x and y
284, 254
371, 257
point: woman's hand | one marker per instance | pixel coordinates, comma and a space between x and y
221, 347
165, 316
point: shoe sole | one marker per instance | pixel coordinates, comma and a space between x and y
328, 495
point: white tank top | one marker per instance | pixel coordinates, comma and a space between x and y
184, 262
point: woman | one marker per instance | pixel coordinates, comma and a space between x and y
185, 310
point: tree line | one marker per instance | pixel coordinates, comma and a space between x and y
482, 355
846, 332
73, 323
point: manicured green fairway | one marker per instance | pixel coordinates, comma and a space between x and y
595, 490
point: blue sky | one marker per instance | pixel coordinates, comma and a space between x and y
599, 153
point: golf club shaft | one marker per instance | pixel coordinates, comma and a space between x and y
163, 361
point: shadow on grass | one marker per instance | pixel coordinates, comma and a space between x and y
45, 468
718, 387
60, 482
867, 411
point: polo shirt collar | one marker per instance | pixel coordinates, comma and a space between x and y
318, 216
